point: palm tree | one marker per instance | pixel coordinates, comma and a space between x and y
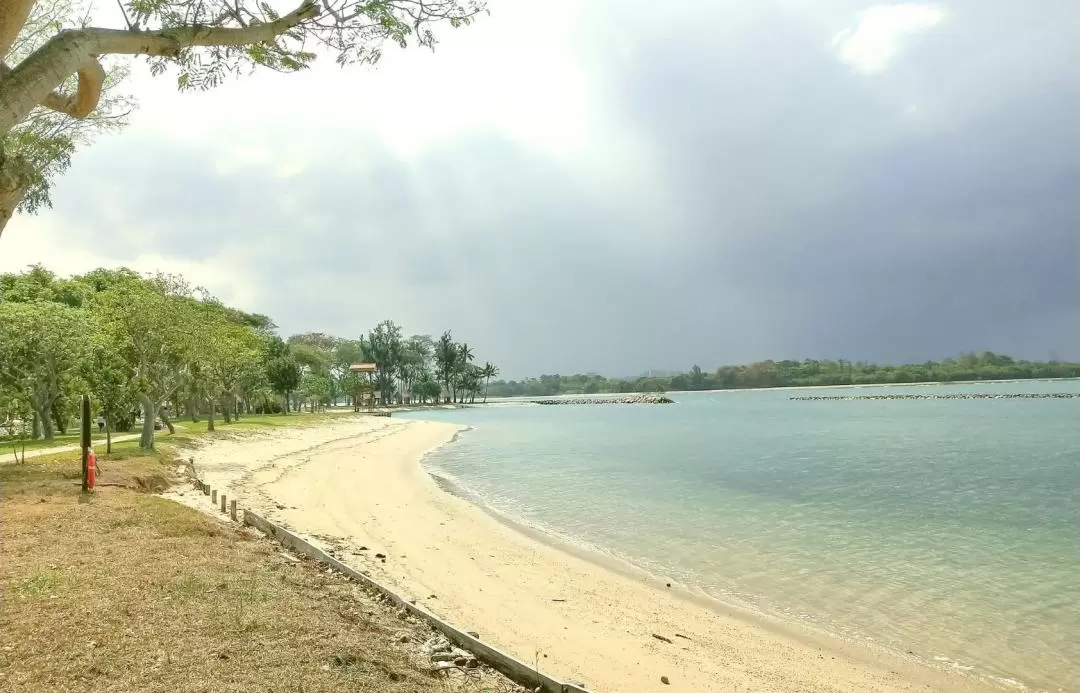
446, 356
464, 360
488, 372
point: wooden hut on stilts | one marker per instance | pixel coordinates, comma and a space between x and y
364, 393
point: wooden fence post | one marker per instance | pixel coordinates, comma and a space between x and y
232, 510
213, 496
85, 441
223, 502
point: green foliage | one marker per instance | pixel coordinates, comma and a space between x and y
39, 149
384, 345
155, 342
41, 351
36, 159
108, 377
810, 372
354, 30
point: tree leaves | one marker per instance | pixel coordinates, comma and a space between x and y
156, 339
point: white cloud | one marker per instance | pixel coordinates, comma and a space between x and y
875, 39
512, 73
34, 240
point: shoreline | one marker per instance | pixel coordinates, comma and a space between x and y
928, 675
579, 613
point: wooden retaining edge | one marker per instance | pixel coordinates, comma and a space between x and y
514, 669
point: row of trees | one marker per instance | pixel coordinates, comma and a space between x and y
971, 366
416, 369
156, 345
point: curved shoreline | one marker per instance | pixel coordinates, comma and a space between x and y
869, 652
360, 489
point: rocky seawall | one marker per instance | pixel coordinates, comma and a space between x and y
954, 395
627, 399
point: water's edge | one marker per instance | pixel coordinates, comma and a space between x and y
865, 650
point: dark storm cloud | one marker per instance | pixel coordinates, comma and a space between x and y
861, 229
812, 211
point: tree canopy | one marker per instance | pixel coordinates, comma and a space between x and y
60, 66
154, 344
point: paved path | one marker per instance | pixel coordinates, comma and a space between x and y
10, 458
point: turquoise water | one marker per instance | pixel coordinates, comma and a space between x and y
949, 529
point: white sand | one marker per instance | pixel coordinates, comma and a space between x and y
359, 480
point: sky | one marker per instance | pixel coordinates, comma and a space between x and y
614, 186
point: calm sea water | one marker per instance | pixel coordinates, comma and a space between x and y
945, 528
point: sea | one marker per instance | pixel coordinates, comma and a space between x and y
946, 530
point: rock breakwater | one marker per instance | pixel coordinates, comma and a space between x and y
627, 399
950, 395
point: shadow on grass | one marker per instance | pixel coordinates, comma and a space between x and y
61, 473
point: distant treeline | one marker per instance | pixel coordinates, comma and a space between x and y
985, 366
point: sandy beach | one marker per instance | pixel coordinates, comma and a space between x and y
357, 485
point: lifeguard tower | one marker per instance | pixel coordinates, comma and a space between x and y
364, 393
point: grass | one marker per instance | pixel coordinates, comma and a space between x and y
185, 431
124, 590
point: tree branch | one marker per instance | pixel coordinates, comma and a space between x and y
85, 99
70, 51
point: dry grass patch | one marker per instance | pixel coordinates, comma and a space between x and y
126, 591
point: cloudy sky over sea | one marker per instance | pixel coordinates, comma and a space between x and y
620, 185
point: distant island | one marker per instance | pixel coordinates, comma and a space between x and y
810, 372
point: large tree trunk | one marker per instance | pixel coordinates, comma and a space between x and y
12, 190
59, 417
146, 440
45, 417
108, 437
193, 410
210, 418
168, 424
226, 408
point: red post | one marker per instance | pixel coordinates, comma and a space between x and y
91, 469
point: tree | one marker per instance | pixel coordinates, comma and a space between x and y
489, 371
282, 370
463, 371
345, 353
149, 325
315, 387
40, 147
111, 387
229, 354
425, 388
204, 41
384, 345
42, 347
446, 360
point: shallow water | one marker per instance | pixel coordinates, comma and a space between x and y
949, 529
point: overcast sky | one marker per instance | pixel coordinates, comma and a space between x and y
614, 186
